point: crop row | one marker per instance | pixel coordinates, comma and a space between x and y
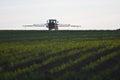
54, 57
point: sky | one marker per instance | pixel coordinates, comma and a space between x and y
90, 14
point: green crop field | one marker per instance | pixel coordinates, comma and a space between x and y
59, 55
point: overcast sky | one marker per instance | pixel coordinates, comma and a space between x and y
91, 14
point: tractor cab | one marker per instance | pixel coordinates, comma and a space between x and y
52, 24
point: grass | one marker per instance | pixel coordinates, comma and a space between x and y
59, 55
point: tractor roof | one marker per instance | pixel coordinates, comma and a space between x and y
52, 20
